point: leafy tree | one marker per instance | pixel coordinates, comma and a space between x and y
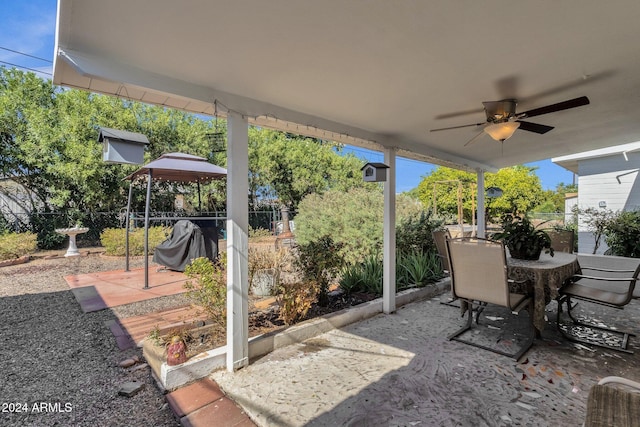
287, 168
553, 200
50, 147
521, 190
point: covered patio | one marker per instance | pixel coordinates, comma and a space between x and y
373, 74
400, 370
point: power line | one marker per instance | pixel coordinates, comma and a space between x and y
26, 54
26, 68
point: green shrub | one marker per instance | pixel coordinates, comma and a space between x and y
354, 219
208, 288
45, 224
420, 269
413, 233
15, 245
319, 262
351, 279
622, 234
113, 240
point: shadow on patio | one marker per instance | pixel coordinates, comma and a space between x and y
400, 370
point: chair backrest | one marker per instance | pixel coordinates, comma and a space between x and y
562, 240
479, 270
610, 404
439, 238
626, 267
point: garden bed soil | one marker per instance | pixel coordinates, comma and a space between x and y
203, 336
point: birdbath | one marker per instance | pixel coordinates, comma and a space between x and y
72, 233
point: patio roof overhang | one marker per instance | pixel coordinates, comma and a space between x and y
373, 74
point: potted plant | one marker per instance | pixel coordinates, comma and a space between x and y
522, 238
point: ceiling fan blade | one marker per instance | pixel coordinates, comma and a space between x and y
565, 105
458, 127
474, 138
458, 114
534, 127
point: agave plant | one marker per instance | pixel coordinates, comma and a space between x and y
421, 268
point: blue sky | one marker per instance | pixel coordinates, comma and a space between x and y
29, 27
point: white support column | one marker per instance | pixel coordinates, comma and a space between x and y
389, 244
481, 219
237, 242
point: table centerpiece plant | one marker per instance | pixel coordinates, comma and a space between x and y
522, 238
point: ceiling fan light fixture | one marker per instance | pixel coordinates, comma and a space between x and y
501, 131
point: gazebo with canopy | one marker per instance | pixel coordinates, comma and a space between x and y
175, 167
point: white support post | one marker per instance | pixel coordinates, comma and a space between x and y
237, 242
389, 244
481, 219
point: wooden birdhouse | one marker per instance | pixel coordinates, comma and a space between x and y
493, 192
374, 172
119, 146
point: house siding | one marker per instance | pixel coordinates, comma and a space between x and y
611, 180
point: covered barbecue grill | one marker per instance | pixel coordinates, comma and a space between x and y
188, 241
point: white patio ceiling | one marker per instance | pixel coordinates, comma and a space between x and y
380, 71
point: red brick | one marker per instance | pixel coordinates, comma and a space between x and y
221, 413
187, 399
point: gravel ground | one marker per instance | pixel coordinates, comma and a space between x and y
59, 365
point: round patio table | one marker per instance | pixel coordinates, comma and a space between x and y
542, 278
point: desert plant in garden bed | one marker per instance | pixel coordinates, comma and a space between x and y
114, 239
417, 269
16, 245
523, 239
414, 269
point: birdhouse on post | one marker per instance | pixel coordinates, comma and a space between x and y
374, 172
119, 146
493, 192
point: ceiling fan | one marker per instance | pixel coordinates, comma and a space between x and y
502, 119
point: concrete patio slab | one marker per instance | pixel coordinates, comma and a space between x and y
401, 370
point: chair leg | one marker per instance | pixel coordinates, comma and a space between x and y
517, 355
466, 326
450, 302
479, 311
625, 335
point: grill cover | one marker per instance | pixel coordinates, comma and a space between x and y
187, 241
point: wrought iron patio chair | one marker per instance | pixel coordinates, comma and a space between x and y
614, 401
562, 240
479, 275
605, 280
